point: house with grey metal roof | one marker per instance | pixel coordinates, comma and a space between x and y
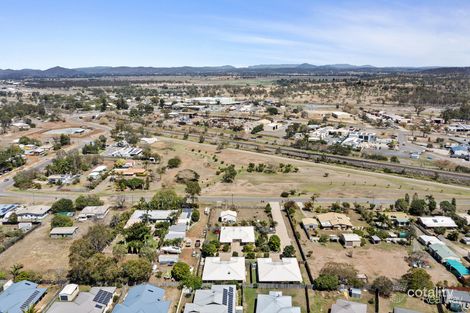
177, 231
97, 300
218, 299
5, 208
456, 300
343, 306
275, 302
63, 232
20, 296
145, 298
442, 253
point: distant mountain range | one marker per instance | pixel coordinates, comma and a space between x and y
263, 69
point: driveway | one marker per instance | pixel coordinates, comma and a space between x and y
281, 229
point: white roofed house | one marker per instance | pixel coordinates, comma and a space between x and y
275, 302
243, 234
228, 216
32, 213
151, 215
231, 269
437, 221
286, 270
97, 172
93, 212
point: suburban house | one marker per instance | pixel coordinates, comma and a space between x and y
343, 306
332, 220
309, 223
275, 302
20, 296
66, 179
177, 231
429, 240
97, 172
130, 171
145, 298
93, 212
285, 270
228, 216
168, 259
465, 216
458, 269
442, 253
437, 221
63, 232
32, 213
185, 217
97, 300
350, 240
5, 208
243, 234
231, 269
220, 298
19, 126
399, 219
151, 215
456, 300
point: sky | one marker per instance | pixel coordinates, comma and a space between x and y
81, 33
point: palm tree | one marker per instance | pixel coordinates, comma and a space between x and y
15, 270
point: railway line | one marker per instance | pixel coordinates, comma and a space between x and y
319, 157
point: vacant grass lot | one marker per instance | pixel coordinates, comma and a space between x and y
328, 180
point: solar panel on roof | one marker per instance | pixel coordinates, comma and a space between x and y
103, 297
30, 299
224, 296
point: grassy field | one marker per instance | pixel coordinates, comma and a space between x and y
327, 180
